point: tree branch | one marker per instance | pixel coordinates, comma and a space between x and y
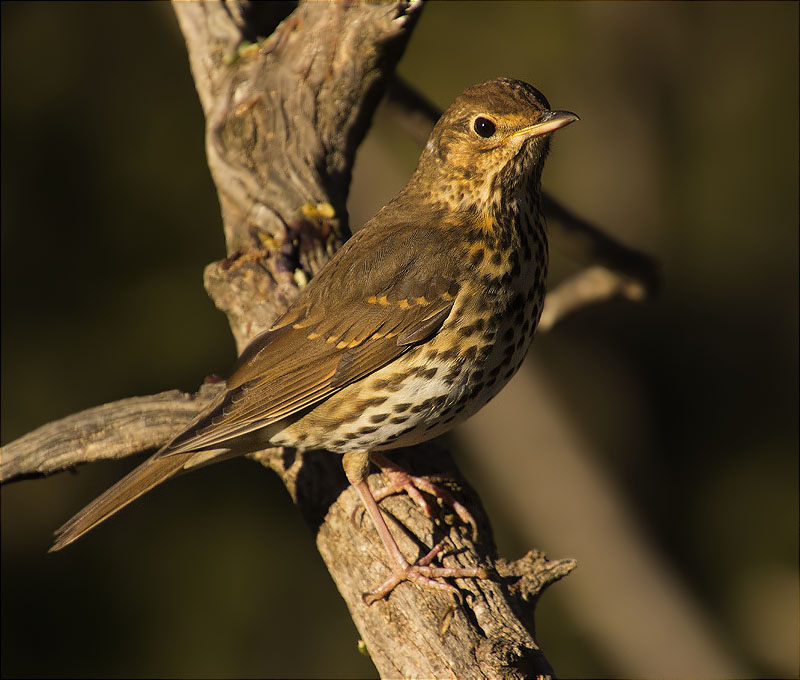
116, 430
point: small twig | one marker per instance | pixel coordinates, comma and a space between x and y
588, 286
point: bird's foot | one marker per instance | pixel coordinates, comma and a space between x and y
424, 575
398, 481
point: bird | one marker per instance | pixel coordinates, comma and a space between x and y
419, 319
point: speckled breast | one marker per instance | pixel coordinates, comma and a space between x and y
443, 381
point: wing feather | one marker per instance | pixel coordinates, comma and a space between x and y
370, 304
303, 371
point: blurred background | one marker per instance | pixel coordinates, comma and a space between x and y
655, 443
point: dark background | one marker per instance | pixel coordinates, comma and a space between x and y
655, 443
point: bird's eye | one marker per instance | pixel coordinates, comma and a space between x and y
484, 127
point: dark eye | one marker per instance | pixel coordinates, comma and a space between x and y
484, 127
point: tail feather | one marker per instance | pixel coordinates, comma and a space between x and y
140, 480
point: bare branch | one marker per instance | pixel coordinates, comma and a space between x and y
588, 286
116, 430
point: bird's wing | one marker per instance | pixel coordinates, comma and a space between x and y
300, 363
369, 305
335, 334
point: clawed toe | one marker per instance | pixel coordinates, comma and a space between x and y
422, 573
425, 575
398, 481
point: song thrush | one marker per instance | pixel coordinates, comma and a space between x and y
419, 320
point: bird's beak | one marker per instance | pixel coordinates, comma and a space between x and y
549, 122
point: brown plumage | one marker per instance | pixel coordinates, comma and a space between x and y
419, 319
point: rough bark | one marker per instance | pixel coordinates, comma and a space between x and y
284, 116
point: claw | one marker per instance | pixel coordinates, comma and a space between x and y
425, 575
355, 466
399, 480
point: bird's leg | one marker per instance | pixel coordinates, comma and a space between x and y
399, 480
356, 465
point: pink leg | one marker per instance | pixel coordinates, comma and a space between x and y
355, 465
399, 480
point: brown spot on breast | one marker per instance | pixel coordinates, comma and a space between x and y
422, 406
484, 305
454, 372
469, 353
449, 354
375, 401
392, 383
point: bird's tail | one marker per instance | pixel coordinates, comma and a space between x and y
152, 472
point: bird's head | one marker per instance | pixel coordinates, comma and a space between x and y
492, 140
